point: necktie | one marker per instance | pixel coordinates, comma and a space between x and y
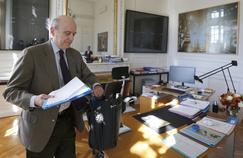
65, 72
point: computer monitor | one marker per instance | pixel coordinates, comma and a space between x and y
182, 74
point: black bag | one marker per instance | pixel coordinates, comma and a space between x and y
104, 122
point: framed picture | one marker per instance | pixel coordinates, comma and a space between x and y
102, 41
210, 30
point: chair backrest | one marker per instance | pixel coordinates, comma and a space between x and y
112, 88
120, 72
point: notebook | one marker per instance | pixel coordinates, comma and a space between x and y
216, 125
203, 134
184, 145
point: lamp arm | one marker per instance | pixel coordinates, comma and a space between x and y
231, 80
217, 70
206, 75
226, 81
210, 73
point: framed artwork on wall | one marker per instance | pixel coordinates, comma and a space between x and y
211, 30
102, 42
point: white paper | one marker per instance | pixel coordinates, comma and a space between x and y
200, 104
154, 122
186, 111
184, 145
216, 125
74, 88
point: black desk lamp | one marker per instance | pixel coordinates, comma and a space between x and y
221, 68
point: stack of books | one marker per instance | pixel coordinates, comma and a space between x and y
190, 108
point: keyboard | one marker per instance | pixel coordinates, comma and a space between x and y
173, 90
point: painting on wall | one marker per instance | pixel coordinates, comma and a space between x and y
102, 42
210, 30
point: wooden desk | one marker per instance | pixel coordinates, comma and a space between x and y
142, 142
104, 77
148, 103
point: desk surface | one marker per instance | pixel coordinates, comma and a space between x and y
143, 142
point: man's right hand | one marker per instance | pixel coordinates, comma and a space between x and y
39, 100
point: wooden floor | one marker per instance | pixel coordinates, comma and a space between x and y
10, 146
7, 109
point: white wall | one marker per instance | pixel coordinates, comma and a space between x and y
104, 22
159, 7
83, 14
204, 62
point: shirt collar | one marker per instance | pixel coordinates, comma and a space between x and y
55, 48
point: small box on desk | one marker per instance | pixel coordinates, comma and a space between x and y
150, 101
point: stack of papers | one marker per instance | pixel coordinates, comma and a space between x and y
184, 145
220, 126
190, 107
199, 104
186, 111
73, 90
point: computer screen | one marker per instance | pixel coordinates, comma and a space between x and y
182, 74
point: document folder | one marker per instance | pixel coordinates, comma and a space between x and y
73, 90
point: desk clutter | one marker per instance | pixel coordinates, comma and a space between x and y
192, 140
196, 93
145, 70
196, 131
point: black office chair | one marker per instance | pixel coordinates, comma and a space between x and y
122, 74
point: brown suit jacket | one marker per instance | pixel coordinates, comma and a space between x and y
35, 73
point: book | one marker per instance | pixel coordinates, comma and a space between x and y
217, 125
186, 111
73, 90
203, 134
184, 145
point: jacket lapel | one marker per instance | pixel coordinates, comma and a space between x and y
50, 66
71, 63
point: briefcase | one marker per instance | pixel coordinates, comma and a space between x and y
104, 122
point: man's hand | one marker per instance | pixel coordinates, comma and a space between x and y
39, 100
98, 91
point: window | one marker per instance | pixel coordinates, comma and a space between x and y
23, 23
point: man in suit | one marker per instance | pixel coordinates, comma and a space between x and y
40, 70
88, 55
